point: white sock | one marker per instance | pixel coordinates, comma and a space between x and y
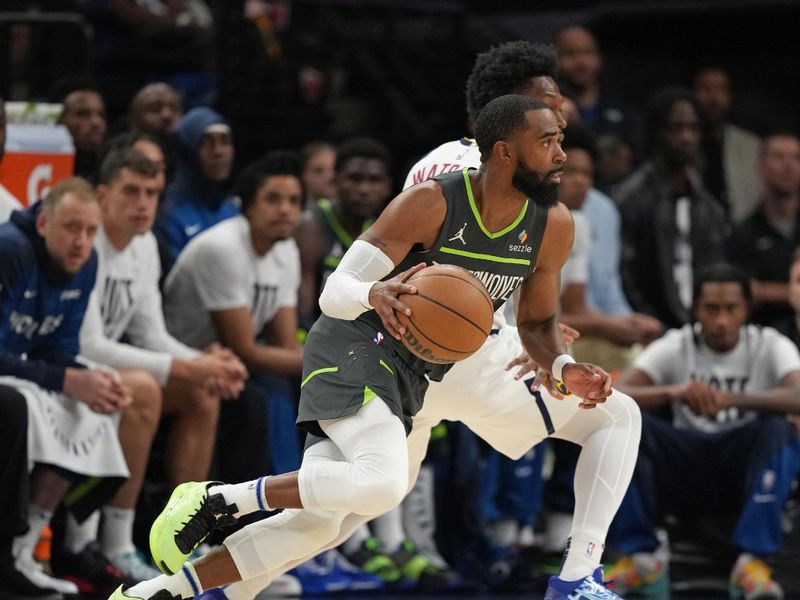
353, 543
389, 530
248, 497
184, 584
24, 545
79, 535
583, 556
117, 536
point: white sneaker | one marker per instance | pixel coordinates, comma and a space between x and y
283, 586
35, 573
134, 565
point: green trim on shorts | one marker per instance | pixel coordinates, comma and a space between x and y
318, 372
387, 367
369, 394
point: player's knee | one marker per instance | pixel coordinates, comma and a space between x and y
202, 405
376, 493
146, 396
625, 412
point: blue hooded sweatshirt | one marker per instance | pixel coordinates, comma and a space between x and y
192, 203
41, 307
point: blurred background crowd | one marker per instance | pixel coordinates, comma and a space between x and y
683, 159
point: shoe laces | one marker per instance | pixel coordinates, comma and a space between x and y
211, 513
598, 590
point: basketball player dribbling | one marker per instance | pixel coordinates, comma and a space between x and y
360, 396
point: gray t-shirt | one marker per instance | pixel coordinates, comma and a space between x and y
219, 270
758, 363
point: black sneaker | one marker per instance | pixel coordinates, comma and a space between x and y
89, 569
15, 585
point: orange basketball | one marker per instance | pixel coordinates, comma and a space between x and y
451, 314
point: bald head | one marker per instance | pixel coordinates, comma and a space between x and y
155, 109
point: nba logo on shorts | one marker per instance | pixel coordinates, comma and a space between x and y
378, 339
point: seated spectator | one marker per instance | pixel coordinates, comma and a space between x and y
671, 226
729, 153
592, 300
763, 244
318, 160
155, 109
8, 203
46, 277
790, 327
147, 145
580, 65
199, 196
237, 285
729, 448
362, 186
84, 114
126, 304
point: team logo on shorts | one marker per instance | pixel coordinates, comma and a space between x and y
378, 339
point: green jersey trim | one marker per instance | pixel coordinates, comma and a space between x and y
489, 257
344, 237
477, 215
318, 372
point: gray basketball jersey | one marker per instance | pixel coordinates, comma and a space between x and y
501, 260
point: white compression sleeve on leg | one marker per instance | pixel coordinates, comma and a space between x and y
346, 293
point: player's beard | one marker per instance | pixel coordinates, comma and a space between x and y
541, 189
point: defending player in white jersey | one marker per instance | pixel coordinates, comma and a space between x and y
481, 386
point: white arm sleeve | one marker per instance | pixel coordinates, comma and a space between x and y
97, 347
346, 293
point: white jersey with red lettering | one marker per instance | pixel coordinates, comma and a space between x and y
449, 157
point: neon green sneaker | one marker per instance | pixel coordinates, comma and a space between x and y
190, 515
371, 559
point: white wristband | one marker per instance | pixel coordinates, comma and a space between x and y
558, 365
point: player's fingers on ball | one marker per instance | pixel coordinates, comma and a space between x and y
400, 307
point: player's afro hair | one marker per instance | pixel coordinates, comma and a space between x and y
508, 69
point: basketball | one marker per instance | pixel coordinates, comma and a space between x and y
451, 314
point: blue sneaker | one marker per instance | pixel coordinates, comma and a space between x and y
589, 588
212, 594
360, 581
316, 578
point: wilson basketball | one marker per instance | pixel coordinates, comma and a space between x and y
451, 314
